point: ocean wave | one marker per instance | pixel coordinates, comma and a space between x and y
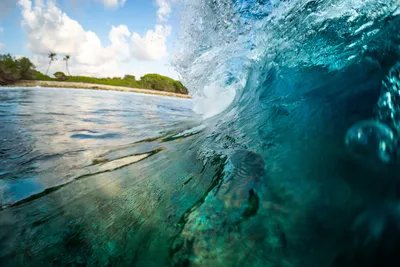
310, 90
231, 40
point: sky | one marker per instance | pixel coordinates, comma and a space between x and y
105, 38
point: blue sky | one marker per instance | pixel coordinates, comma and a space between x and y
76, 27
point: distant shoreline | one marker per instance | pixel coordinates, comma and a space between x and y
91, 86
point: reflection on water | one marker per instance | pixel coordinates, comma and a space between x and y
47, 132
77, 174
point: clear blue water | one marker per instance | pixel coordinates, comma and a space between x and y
51, 136
79, 158
294, 161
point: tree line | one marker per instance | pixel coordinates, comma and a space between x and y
13, 70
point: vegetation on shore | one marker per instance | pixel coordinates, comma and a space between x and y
13, 70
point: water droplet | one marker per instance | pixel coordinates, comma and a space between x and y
371, 139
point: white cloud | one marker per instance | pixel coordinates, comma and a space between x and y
153, 45
49, 29
120, 47
79, 4
113, 3
1, 46
164, 10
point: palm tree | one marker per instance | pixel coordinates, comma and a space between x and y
66, 58
53, 57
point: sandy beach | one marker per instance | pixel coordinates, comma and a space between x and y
91, 86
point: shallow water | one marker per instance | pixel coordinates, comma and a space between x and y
296, 165
52, 131
78, 172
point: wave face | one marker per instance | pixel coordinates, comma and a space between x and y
296, 163
302, 100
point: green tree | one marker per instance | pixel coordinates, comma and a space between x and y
60, 76
66, 58
53, 57
12, 70
9, 71
26, 68
130, 78
162, 83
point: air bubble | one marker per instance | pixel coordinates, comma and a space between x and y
371, 139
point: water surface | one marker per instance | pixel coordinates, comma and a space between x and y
74, 163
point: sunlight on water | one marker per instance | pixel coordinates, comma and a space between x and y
293, 160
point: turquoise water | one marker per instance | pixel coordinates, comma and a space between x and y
85, 177
310, 91
293, 162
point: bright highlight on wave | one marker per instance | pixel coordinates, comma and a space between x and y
297, 87
295, 162
230, 40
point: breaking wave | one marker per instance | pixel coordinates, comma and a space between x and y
301, 99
